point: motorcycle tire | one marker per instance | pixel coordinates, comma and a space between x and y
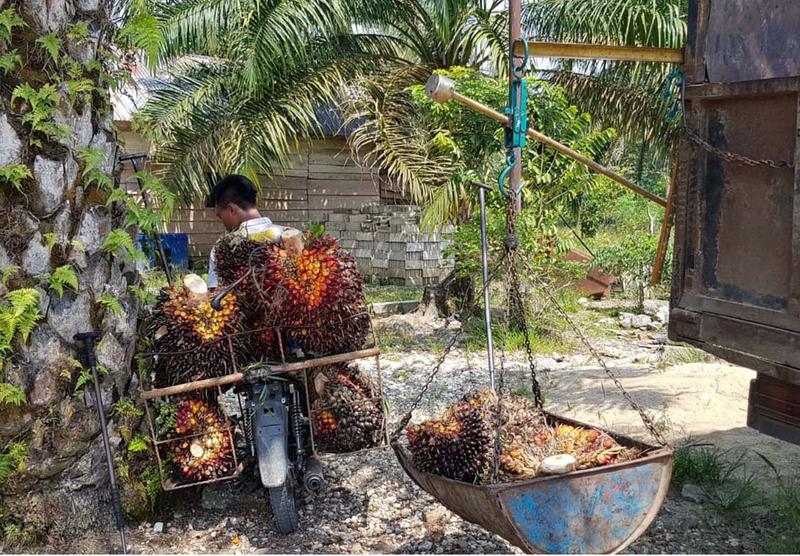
284, 509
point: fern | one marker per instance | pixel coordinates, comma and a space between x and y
78, 32
10, 61
119, 243
7, 273
14, 174
83, 379
50, 240
63, 276
139, 443
92, 159
145, 296
143, 31
78, 245
11, 395
76, 87
12, 460
9, 19
18, 317
125, 407
111, 303
41, 108
73, 67
52, 44
165, 199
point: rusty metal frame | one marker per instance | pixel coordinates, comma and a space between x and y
741, 300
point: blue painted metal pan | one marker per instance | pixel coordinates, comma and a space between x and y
596, 511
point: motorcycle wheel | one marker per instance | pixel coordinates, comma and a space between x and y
284, 510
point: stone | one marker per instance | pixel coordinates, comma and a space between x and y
158, 527
425, 546
10, 143
104, 142
641, 321
93, 229
693, 493
69, 315
114, 357
53, 178
79, 125
50, 15
626, 320
36, 258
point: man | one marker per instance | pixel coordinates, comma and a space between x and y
234, 198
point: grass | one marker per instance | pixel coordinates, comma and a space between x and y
685, 355
377, 293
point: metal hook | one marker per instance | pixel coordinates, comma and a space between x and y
516, 69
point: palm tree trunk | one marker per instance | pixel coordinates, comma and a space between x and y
60, 491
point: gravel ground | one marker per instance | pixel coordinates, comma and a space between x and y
371, 506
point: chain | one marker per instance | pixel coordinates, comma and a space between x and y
448, 348
646, 419
735, 158
518, 301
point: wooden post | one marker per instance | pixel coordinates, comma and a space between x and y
666, 227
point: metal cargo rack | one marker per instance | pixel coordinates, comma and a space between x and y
254, 370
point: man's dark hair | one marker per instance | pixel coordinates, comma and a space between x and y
234, 189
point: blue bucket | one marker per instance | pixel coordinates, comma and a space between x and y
176, 249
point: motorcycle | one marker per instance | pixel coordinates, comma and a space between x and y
277, 429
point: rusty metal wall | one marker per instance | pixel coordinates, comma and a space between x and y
736, 287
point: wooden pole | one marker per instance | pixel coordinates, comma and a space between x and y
558, 147
239, 377
666, 227
603, 52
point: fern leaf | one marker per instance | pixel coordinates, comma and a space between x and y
139, 443
10, 61
63, 276
9, 272
9, 19
119, 243
11, 395
92, 159
111, 303
52, 44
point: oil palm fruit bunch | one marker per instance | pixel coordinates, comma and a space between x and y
317, 293
189, 335
347, 409
235, 255
202, 447
458, 445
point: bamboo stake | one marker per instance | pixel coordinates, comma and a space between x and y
666, 227
442, 89
603, 52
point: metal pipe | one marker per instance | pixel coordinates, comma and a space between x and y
442, 89
603, 52
155, 235
87, 344
514, 34
487, 310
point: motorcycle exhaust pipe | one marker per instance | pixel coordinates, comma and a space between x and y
313, 478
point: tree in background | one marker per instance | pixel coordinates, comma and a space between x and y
66, 266
624, 95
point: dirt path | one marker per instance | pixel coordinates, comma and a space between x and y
372, 506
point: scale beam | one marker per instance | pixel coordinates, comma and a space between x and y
442, 89
575, 51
